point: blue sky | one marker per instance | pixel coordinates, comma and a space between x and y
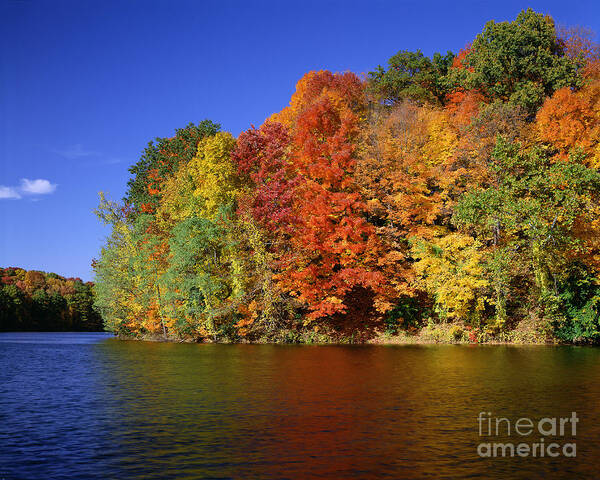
84, 85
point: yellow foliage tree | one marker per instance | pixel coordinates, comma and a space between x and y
451, 270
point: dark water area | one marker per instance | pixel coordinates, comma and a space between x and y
84, 405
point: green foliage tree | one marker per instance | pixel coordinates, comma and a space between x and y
521, 62
412, 75
203, 276
530, 209
115, 288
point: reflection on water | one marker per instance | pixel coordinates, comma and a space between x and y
102, 408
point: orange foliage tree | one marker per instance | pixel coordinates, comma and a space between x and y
333, 248
571, 120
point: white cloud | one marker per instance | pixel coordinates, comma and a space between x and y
76, 151
27, 187
37, 187
8, 192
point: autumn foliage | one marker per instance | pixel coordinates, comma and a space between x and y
34, 300
458, 188
571, 120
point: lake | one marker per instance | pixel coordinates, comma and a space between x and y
84, 405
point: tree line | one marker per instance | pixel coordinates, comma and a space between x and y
31, 300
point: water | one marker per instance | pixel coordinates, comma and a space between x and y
84, 405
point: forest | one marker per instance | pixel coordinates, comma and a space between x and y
37, 301
453, 197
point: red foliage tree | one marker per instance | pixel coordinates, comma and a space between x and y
334, 249
262, 156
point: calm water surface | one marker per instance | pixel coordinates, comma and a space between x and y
81, 405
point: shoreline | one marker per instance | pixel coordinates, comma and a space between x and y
529, 332
399, 340
422, 337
